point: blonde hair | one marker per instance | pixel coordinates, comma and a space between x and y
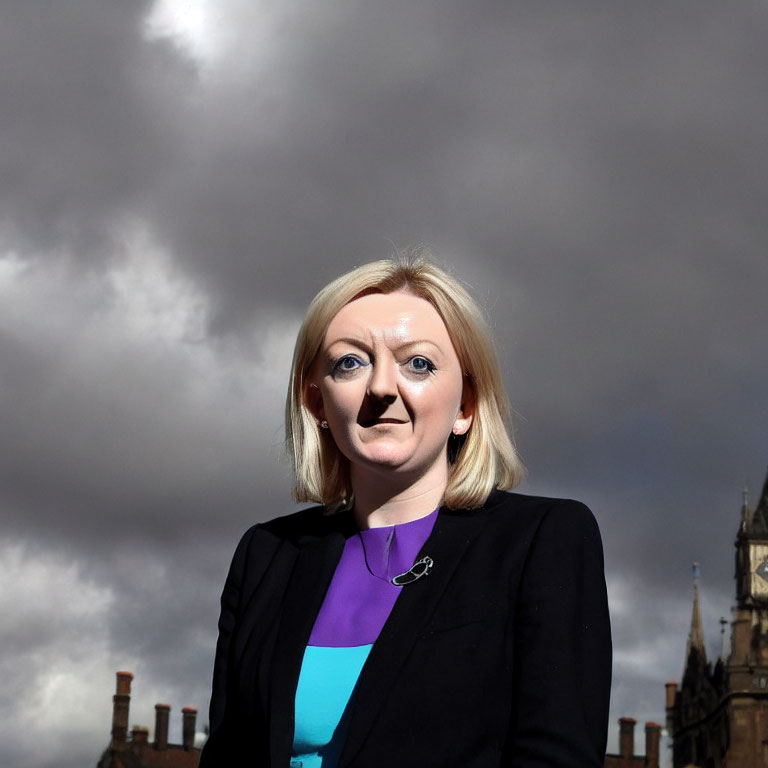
482, 459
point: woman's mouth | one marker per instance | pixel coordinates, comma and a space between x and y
381, 421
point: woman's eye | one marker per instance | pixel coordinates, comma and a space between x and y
420, 364
347, 364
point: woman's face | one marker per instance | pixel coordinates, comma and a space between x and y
389, 383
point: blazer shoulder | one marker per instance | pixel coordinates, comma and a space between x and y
308, 523
263, 542
521, 503
509, 508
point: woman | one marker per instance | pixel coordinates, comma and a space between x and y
422, 616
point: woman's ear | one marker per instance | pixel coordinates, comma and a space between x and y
313, 399
464, 417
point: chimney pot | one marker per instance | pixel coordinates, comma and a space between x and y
627, 737
189, 715
162, 714
124, 682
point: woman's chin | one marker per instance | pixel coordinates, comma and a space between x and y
395, 460
385, 457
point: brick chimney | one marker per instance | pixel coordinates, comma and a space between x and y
626, 737
652, 740
189, 715
121, 704
162, 714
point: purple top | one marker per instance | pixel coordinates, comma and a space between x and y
360, 596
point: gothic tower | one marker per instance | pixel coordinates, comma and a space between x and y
718, 717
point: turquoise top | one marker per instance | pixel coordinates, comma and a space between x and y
327, 680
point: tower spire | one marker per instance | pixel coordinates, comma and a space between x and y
696, 635
745, 521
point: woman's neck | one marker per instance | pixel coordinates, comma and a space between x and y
380, 502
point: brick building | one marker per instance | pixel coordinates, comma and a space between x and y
718, 717
134, 750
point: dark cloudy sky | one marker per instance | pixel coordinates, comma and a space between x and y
178, 178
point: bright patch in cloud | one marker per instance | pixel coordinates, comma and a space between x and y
218, 35
150, 299
188, 22
10, 267
55, 666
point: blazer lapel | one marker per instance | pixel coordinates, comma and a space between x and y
306, 590
452, 533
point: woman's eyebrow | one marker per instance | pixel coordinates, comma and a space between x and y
353, 340
416, 343
366, 345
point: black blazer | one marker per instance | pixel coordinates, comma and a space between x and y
500, 657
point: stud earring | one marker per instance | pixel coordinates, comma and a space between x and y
323, 424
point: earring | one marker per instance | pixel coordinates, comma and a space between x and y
323, 424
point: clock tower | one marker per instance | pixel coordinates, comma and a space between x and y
752, 555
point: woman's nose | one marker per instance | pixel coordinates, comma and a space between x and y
382, 383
